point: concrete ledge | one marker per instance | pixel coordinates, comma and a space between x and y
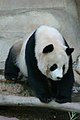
17, 4
35, 102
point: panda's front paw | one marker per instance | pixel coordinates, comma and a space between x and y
45, 99
63, 100
10, 77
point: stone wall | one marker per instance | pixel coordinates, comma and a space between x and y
18, 18
78, 8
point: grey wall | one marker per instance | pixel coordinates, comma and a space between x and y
18, 18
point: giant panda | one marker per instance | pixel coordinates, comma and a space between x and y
45, 57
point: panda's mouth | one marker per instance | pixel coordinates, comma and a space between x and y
55, 78
59, 78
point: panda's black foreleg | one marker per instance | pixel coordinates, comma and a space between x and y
54, 89
39, 84
40, 90
11, 70
64, 89
64, 92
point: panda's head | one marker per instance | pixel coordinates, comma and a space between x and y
51, 53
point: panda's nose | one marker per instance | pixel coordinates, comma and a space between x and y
59, 78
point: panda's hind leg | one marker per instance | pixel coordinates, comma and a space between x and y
11, 69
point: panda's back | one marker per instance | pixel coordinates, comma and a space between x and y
21, 63
46, 35
47, 31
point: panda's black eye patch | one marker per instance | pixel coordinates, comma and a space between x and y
53, 67
48, 48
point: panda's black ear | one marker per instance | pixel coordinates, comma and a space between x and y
49, 48
69, 51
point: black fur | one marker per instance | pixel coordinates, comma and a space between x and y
69, 51
11, 70
64, 87
45, 88
48, 48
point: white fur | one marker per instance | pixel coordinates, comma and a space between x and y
21, 58
58, 72
48, 35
